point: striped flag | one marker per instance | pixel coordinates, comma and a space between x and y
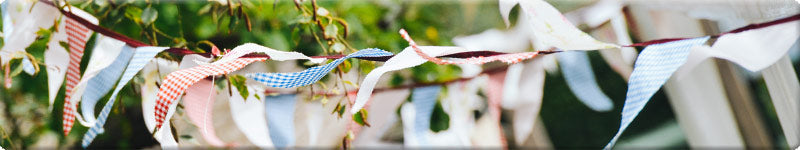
77, 35
653, 67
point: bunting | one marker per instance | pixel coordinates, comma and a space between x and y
198, 104
152, 74
280, 117
754, 49
578, 74
77, 35
653, 67
405, 59
310, 75
551, 27
176, 82
423, 99
270, 121
105, 67
141, 56
248, 114
494, 95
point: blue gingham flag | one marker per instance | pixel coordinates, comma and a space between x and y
310, 75
653, 67
141, 57
280, 119
100, 84
424, 99
577, 71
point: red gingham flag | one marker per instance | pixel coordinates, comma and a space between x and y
77, 35
176, 82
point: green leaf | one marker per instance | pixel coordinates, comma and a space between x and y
302, 19
257, 97
205, 9
64, 44
366, 66
346, 65
330, 31
134, 13
361, 117
336, 108
16, 71
238, 81
340, 109
337, 47
43, 32
351, 83
440, 120
149, 15
324, 100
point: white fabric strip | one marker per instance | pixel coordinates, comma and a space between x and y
152, 74
754, 49
405, 59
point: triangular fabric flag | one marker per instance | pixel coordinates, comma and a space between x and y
409, 118
8, 28
578, 74
152, 74
55, 61
197, 104
551, 27
379, 126
529, 100
141, 56
280, 117
310, 75
423, 100
754, 49
511, 85
105, 67
653, 67
494, 96
176, 82
77, 35
21, 21
461, 99
248, 115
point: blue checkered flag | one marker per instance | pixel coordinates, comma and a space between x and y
310, 75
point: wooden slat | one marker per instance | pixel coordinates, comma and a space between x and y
784, 90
